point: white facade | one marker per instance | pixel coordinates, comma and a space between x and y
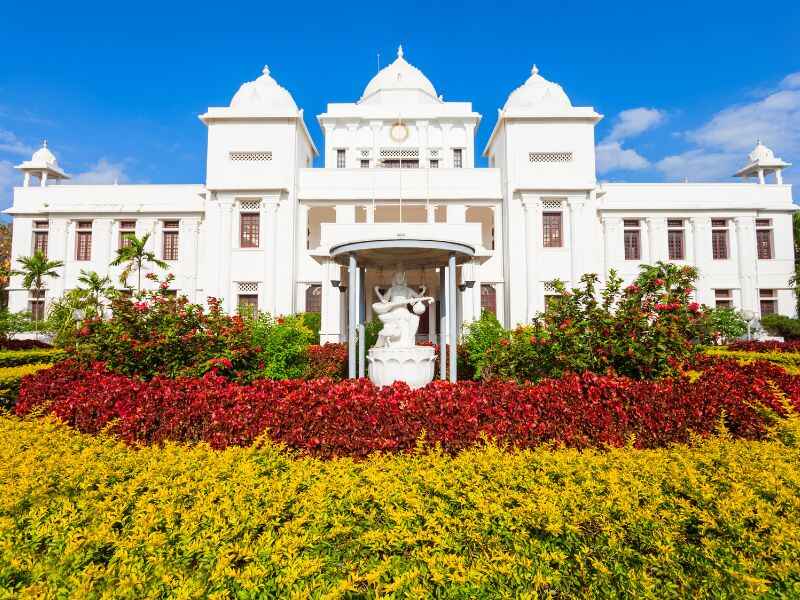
400, 163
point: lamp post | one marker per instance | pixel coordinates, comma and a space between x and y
748, 315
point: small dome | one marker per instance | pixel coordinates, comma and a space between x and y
43, 156
263, 96
400, 75
539, 93
761, 154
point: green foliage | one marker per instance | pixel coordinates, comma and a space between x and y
726, 324
83, 516
642, 331
36, 268
13, 358
281, 344
479, 339
312, 320
11, 323
781, 325
133, 257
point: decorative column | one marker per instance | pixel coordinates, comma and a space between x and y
533, 219
226, 249
611, 243
270, 247
575, 220
187, 255
701, 248
747, 260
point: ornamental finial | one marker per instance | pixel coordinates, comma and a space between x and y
400, 51
44, 144
265, 70
534, 70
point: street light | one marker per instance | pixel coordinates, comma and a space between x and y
748, 315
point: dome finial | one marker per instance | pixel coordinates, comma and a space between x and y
534, 70
44, 144
400, 51
265, 70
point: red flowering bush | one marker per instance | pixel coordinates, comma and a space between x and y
158, 334
328, 360
642, 331
355, 418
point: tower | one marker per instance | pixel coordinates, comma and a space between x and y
42, 165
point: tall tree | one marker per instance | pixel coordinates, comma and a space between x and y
34, 271
134, 255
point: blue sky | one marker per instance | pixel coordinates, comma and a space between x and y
686, 88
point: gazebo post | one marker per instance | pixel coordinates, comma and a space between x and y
352, 315
442, 324
451, 275
362, 317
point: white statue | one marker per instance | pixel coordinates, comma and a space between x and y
395, 357
399, 324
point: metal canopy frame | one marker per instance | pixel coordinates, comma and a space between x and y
411, 253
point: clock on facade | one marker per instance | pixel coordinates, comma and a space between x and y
399, 132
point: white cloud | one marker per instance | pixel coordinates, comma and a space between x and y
699, 165
611, 156
722, 144
102, 172
774, 119
635, 121
11, 144
791, 81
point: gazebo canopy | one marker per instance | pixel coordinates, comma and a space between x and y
411, 253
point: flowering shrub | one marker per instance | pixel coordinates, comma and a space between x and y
85, 517
353, 417
642, 331
328, 360
158, 334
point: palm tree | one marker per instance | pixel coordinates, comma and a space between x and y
96, 287
134, 255
34, 269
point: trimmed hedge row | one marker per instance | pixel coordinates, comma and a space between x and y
355, 418
13, 358
10, 378
86, 517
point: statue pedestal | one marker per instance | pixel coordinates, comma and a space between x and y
412, 365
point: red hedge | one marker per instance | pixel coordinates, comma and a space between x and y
766, 346
353, 417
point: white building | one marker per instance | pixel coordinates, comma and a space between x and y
399, 165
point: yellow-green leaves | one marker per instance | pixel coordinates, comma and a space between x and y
87, 517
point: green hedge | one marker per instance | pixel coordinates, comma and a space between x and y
13, 358
85, 517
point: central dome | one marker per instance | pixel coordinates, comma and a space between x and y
400, 76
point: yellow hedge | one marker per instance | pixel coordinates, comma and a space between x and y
86, 517
788, 360
10, 378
